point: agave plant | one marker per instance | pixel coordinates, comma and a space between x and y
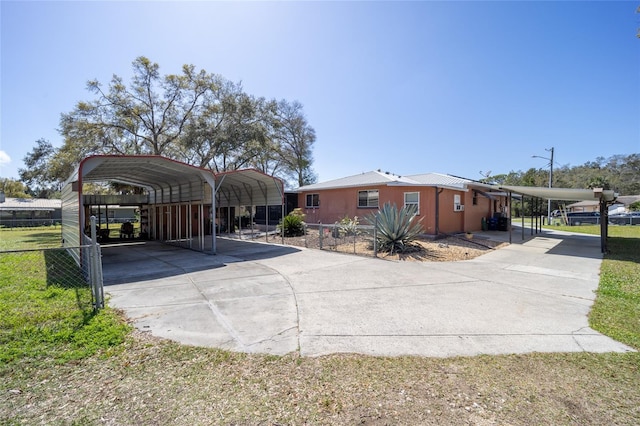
396, 229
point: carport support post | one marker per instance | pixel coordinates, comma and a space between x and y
282, 215
604, 225
213, 219
534, 214
239, 223
531, 211
266, 220
522, 215
510, 210
201, 226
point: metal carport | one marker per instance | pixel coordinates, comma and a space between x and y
604, 196
180, 199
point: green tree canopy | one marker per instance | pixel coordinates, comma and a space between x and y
13, 188
38, 175
619, 172
195, 117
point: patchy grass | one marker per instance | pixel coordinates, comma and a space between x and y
158, 382
616, 311
30, 238
46, 312
145, 380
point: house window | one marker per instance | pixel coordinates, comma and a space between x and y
475, 198
412, 199
313, 200
368, 198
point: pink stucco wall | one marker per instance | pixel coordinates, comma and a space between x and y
338, 203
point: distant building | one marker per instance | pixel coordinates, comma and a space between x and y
19, 212
620, 205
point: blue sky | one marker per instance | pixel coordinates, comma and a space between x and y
406, 87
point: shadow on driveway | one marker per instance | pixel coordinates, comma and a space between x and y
151, 260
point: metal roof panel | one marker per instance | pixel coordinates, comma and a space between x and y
28, 204
363, 179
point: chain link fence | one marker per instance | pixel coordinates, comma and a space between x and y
343, 238
65, 267
59, 268
11, 223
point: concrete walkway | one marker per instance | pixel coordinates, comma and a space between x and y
531, 296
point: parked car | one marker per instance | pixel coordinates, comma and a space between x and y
581, 218
632, 218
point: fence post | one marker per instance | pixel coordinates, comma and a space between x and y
306, 233
99, 282
321, 234
355, 232
95, 266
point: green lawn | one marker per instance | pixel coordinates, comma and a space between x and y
29, 238
62, 364
46, 311
616, 311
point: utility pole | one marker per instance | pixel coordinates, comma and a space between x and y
550, 185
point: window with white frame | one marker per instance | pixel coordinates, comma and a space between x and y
313, 200
412, 199
368, 198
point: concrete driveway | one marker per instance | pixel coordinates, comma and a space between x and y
254, 297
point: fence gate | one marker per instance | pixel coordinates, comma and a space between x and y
91, 264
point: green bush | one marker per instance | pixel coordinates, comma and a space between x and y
396, 229
292, 225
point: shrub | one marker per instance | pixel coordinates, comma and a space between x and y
298, 212
348, 226
292, 225
396, 229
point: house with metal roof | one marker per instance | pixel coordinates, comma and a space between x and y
18, 212
620, 204
448, 204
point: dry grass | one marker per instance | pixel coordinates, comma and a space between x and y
151, 381
148, 380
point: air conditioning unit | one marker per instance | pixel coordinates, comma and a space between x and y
458, 207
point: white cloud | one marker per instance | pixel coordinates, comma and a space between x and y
4, 158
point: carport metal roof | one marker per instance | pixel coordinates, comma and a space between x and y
561, 194
147, 171
239, 187
248, 187
602, 196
